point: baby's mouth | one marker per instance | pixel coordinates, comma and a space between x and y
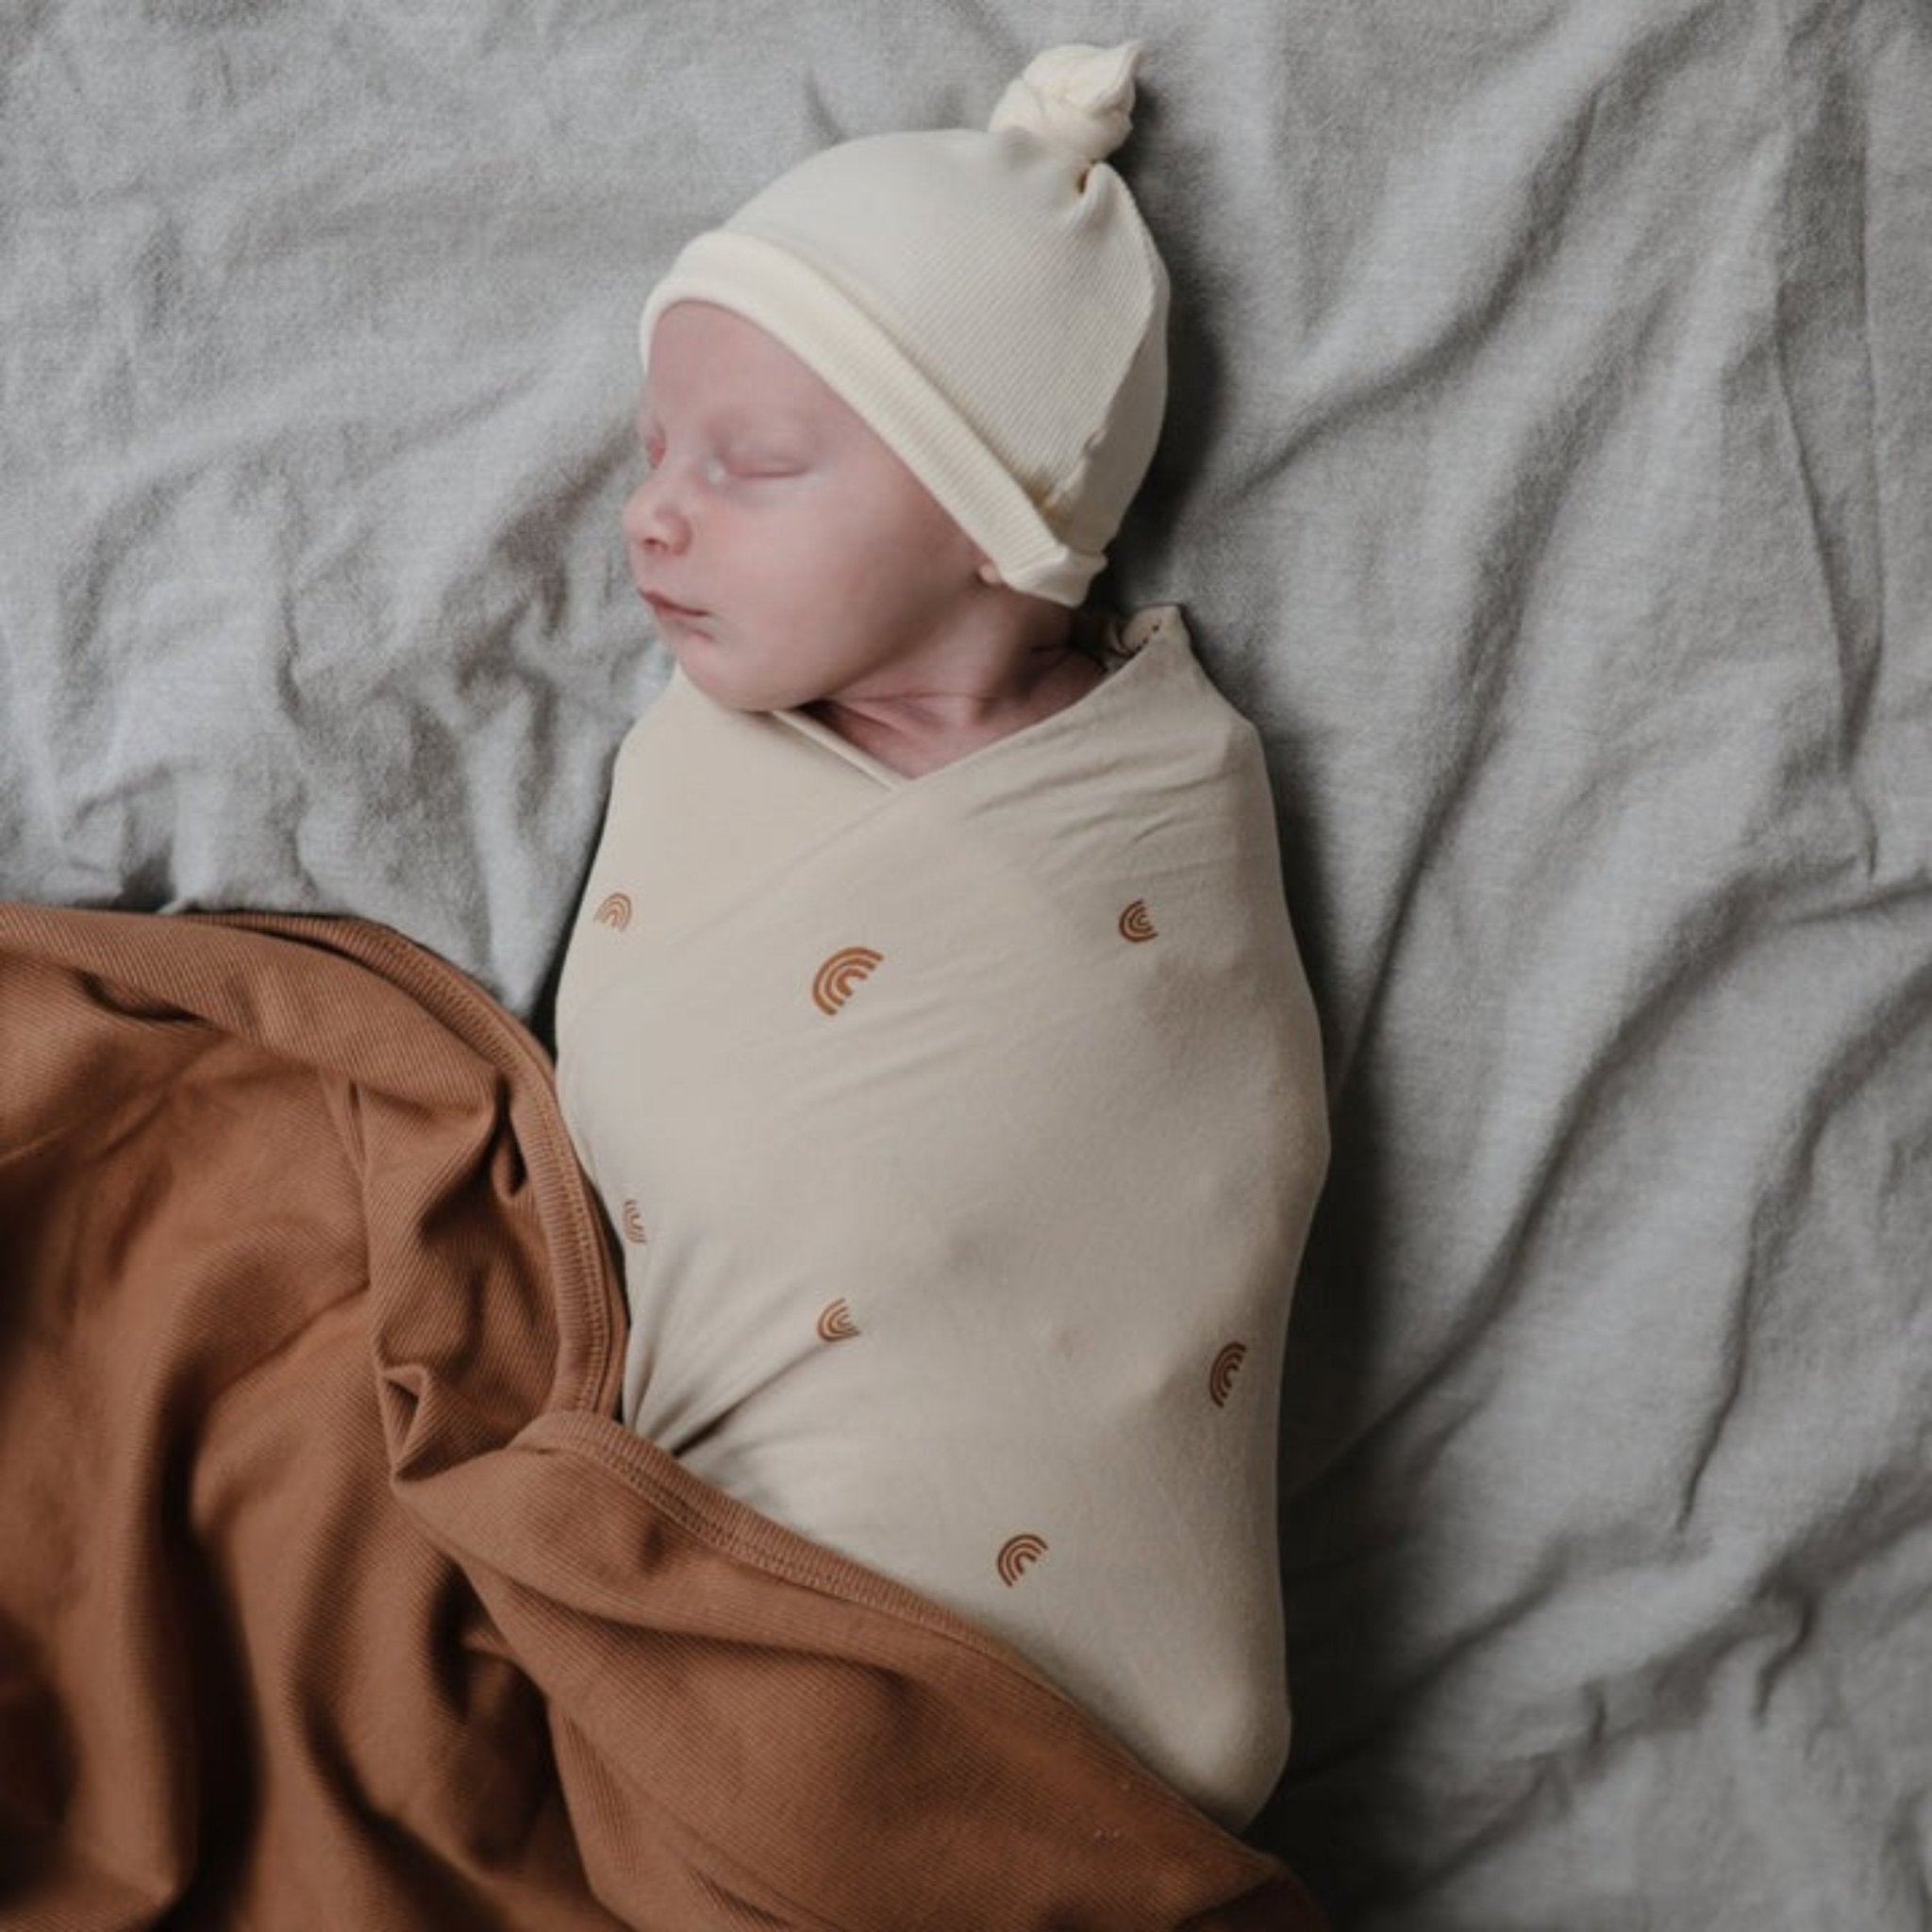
664, 606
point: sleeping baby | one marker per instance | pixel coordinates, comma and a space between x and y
933, 1029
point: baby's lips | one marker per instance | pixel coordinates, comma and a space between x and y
665, 607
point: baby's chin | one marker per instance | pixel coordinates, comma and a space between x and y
700, 662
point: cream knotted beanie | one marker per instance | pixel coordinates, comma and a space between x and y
991, 304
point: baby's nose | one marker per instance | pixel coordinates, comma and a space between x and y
651, 519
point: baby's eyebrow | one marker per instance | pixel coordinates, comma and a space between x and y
733, 425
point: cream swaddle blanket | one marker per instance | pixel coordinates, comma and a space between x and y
962, 1135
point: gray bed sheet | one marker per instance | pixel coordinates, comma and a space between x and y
1549, 472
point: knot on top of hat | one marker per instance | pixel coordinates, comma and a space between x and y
1077, 97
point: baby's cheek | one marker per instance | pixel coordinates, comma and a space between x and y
806, 550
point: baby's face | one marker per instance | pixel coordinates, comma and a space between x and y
789, 553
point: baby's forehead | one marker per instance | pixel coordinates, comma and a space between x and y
713, 369
718, 409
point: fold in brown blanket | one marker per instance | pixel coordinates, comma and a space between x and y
330, 1592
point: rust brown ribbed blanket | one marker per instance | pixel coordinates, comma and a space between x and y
330, 1592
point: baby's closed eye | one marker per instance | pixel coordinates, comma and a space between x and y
734, 467
764, 464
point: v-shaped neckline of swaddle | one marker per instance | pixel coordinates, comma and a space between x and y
884, 774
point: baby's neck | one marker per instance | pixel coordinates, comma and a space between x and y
918, 733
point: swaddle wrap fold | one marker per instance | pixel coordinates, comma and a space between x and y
962, 1135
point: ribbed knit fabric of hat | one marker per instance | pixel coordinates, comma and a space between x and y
991, 304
